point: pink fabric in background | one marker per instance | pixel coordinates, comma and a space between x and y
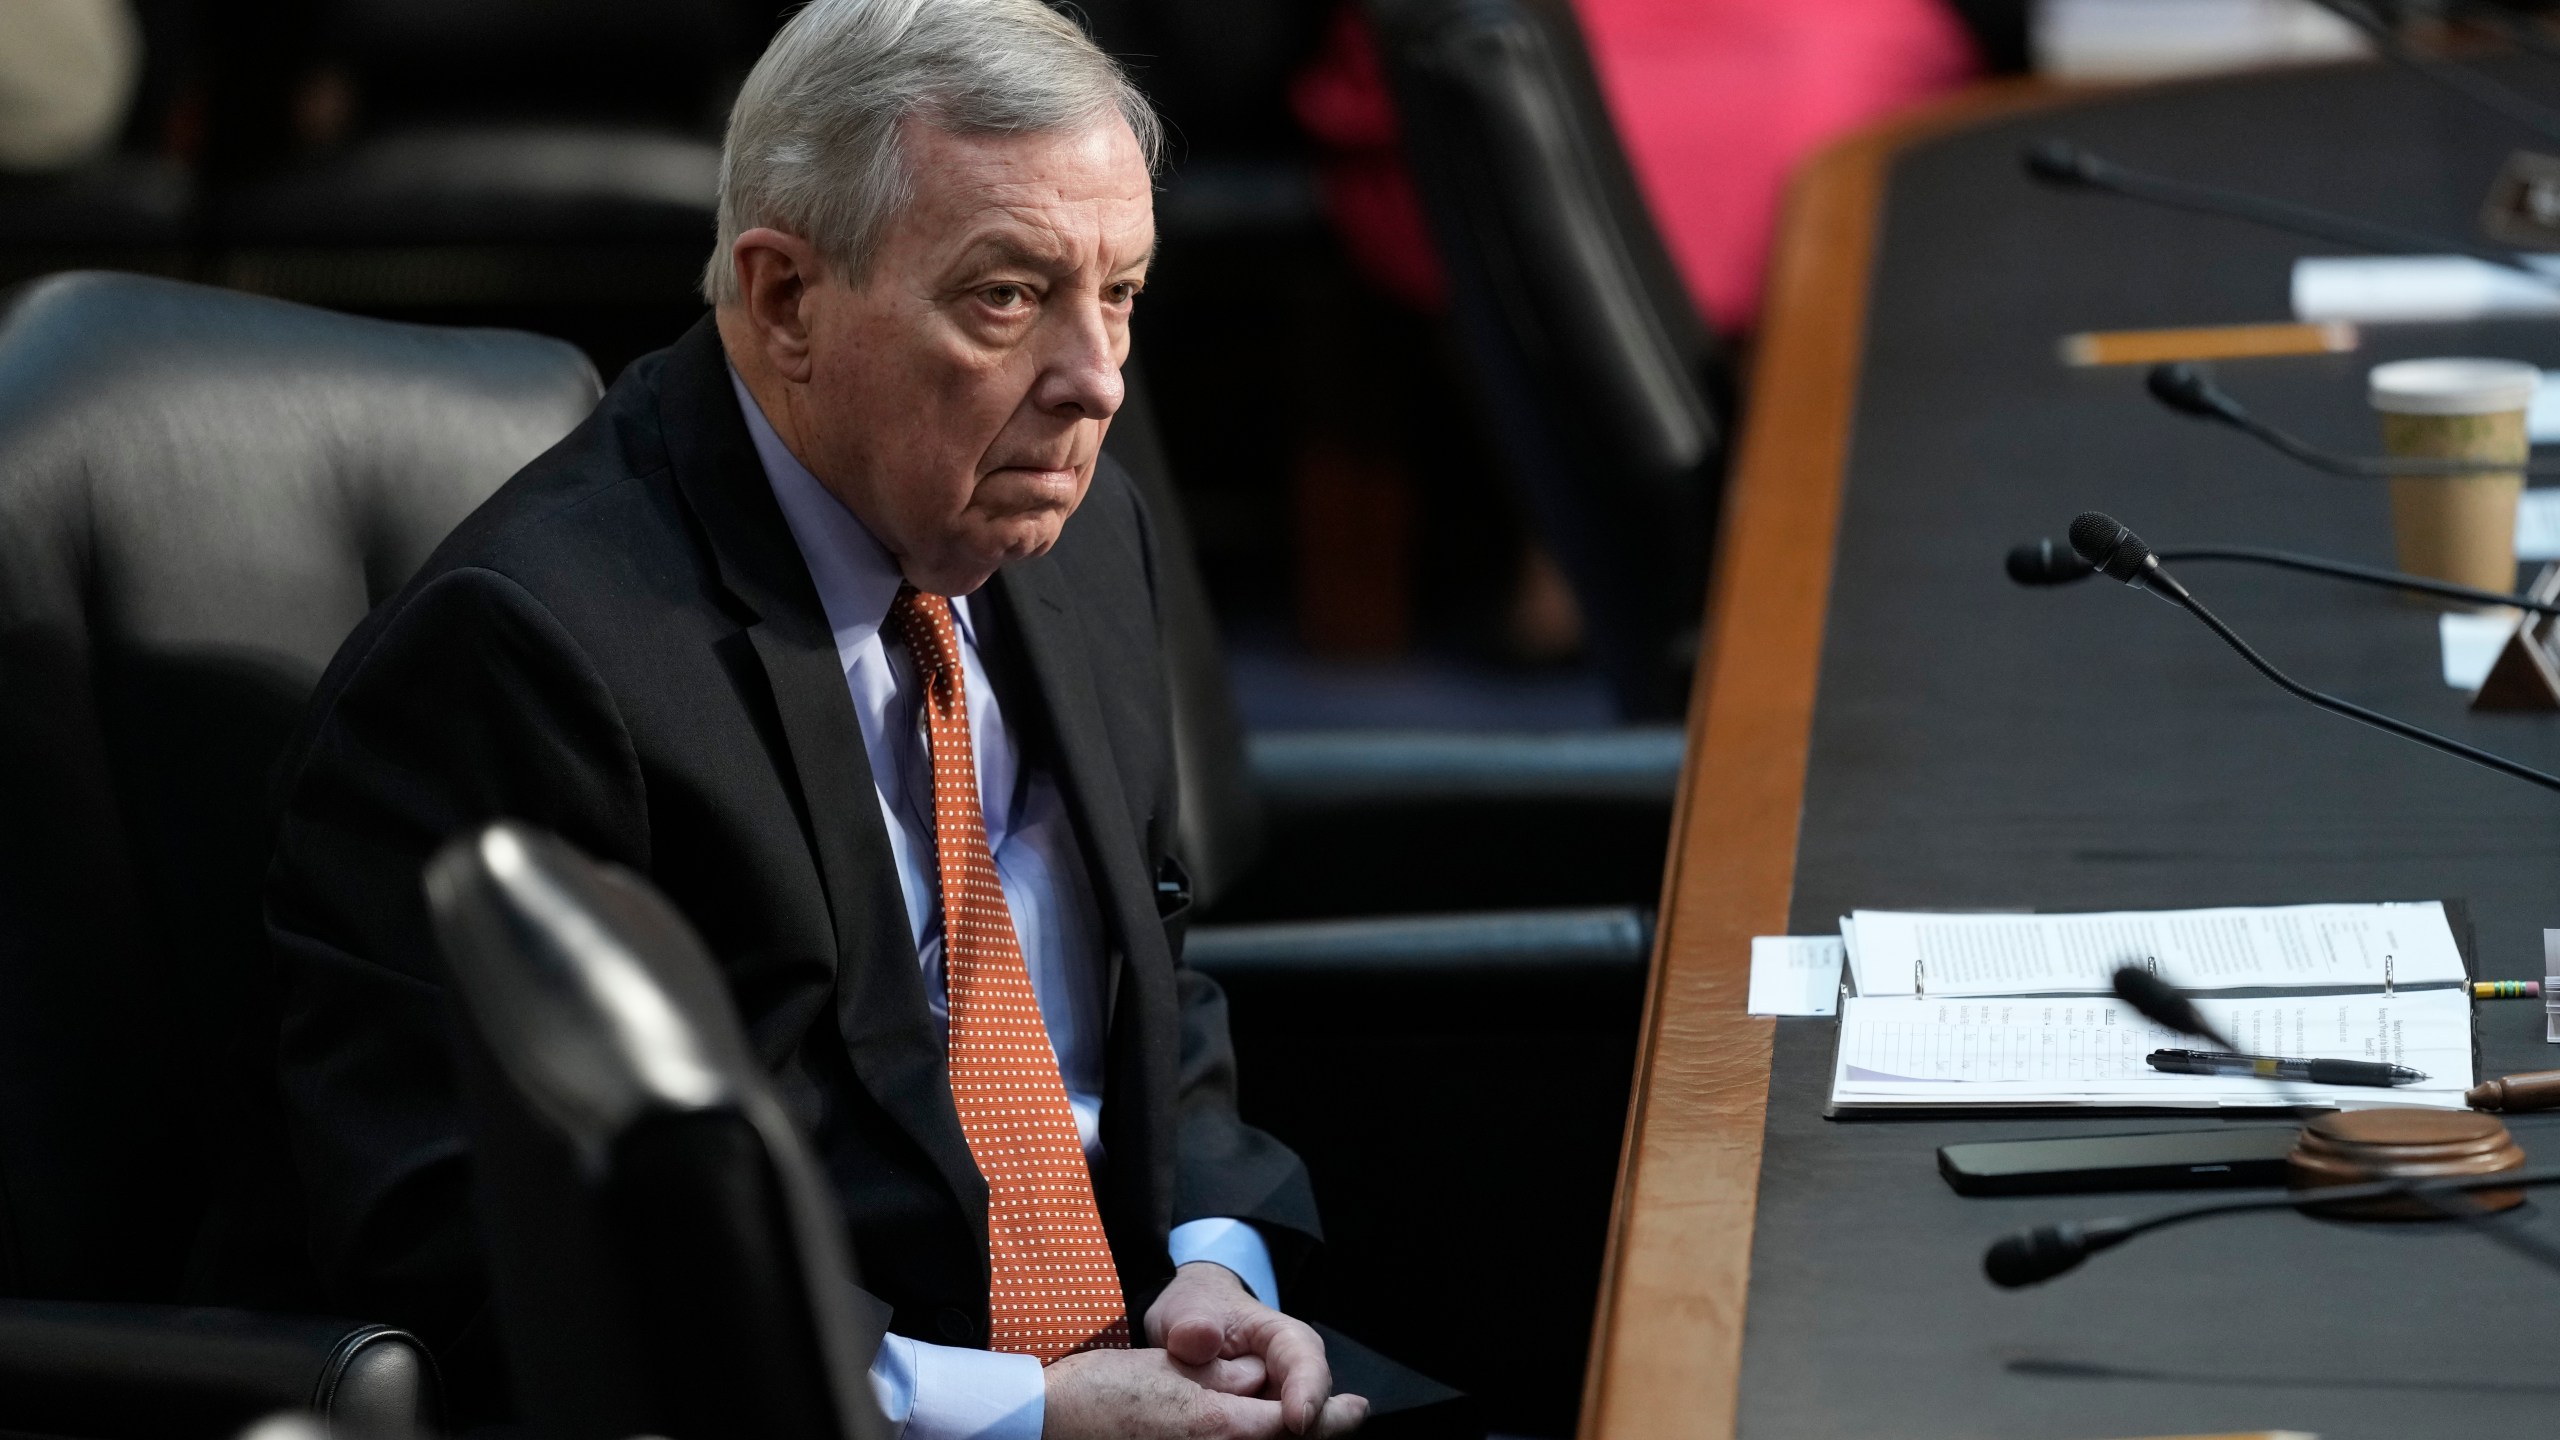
1717, 102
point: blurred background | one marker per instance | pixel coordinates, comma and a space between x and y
1442, 362
548, 165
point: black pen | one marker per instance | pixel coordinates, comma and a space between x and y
2280, 1067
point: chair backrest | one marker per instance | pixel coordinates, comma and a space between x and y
201, 493
664, 1256
1606, 391
675, 61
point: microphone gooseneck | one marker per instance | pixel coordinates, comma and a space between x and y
2041, 565
2111, 547
2063, 164
2189, 390
2035, 1255
2460, 79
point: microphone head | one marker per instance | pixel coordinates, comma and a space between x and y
2059, 162
2189, 390
2106, 544
2161, 1003
2032, 1257
2041, 563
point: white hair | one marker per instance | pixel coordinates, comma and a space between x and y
814, 145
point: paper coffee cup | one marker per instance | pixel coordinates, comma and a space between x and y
2460, 528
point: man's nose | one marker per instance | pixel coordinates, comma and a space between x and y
1081, 377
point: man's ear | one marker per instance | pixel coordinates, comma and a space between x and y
776, 272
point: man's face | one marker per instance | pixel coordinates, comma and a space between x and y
958, 394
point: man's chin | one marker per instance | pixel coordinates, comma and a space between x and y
964, 570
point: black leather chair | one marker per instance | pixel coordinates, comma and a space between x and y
666, 1259
1340, 823
200, 494
551, 165
1607, 395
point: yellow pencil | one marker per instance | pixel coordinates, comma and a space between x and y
2206, 342
2243, 1435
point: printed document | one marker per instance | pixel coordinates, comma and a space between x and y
2287, 947
1906, 1051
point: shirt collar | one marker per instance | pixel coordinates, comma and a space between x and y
856, 576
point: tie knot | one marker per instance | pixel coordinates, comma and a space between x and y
924, 623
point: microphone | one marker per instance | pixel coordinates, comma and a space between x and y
2041, 564
2115, 551
2033, 1256
2189, 390
2063, 164
2108, 546
2165, 1005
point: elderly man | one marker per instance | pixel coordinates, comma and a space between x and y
832, 621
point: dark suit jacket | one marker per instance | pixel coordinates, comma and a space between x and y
624, 646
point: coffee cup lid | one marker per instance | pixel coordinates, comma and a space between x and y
2452, 386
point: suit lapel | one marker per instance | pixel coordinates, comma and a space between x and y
881, 1009
1041, 608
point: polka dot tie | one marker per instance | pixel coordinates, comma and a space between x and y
1053, 1288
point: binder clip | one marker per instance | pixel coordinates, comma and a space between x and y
2551, 987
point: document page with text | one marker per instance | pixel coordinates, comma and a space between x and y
2233, 948
2088, 1050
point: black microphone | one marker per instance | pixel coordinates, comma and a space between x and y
2109, 546
2036, 1255
2165, 1005
2061, 163
2189, 389
2116, 552
2041, 564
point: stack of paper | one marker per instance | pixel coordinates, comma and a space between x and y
2016, 1010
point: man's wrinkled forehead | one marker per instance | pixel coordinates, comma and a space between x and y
1045, 202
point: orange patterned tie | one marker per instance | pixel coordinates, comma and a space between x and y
1053, 1288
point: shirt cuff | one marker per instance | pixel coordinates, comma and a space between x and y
945, 1392
1231, 1243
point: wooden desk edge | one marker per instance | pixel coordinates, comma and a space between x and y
1666, 1352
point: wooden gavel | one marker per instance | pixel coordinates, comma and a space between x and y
2532, 1090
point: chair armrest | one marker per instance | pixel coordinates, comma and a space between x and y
1613, 941
165, 1372
1331, 768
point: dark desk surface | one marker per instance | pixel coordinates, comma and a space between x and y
1972, 744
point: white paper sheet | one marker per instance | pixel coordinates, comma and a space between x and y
2087, 1050
2471, 643
1796, 974
2379, 289
2289, 946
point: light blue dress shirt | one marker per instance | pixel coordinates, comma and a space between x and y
943, 1392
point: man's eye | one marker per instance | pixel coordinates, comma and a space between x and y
1004, 297
1124, 292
